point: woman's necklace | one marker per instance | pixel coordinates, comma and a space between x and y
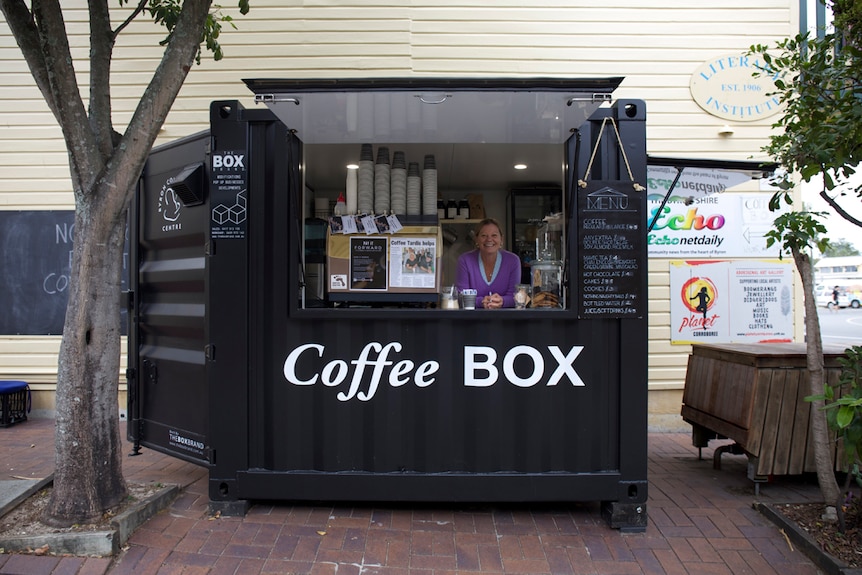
490, 273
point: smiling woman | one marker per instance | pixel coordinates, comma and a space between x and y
489, 269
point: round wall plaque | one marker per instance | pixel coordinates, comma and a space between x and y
725, 86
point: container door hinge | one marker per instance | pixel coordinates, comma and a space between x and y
210, 248
209, 352
131, 389
128, 300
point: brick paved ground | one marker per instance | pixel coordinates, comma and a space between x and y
700, 522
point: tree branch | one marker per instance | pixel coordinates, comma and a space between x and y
841, 211
63, 87
101, 51
138, 9
156, 102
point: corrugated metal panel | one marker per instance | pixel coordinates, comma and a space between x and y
447, 426
168, 328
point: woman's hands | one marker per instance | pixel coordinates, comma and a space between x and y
492, 301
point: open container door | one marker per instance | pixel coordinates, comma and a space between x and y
167, 376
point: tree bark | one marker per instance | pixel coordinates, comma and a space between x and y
105, 168
88, 476
824, 444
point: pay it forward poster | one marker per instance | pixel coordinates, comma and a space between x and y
721, 301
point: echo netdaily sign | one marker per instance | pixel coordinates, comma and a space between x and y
726, 86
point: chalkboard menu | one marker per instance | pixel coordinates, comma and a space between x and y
611, 251
35, 264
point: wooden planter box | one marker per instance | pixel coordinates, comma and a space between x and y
755, 395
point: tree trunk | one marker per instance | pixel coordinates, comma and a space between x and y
88, 476
824, 445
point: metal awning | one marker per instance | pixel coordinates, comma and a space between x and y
695, 178
434, 110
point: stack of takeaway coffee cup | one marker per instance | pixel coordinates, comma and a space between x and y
398, 184
350, 190
382, 175
429, 186
365, 180
414, 190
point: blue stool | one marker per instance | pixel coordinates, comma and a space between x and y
15, 402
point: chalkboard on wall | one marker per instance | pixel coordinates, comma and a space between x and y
35, 263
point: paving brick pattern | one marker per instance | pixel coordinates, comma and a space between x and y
700, 522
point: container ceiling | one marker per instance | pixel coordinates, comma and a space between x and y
477, 129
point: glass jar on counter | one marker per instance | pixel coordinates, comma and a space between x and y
546, 284
449, 297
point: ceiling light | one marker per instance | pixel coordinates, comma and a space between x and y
520, 166
352, 166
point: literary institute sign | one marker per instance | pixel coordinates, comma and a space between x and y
726, 87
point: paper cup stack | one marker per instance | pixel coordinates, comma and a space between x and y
414, 190
365, 180
382, 176
398, 184
429, 186
350, 190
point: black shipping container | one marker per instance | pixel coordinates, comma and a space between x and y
390, 400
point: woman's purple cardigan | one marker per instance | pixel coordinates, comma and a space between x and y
472, 275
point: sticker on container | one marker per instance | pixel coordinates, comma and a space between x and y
338, 281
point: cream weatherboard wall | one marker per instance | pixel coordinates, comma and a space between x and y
656, 46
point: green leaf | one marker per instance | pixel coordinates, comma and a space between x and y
845, 416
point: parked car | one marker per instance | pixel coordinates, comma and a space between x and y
846, 298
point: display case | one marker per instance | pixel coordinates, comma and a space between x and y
528, 208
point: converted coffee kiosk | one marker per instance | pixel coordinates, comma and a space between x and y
382, 394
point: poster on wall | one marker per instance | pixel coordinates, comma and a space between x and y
416, 260
720, 301
368, 263
723, 225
